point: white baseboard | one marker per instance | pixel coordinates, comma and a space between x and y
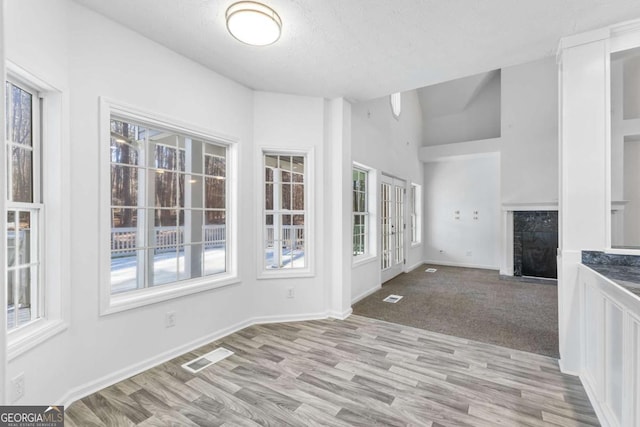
365, 294
340, 316
598, 406
461, 264
564, 369
413, 267
91, 387
287, 318
110, 379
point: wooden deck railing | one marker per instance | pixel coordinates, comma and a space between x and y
124, 240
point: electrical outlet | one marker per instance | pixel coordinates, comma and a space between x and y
17, 387
469, 253
291, 293
170, 319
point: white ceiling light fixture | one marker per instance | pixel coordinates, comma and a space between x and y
253, 23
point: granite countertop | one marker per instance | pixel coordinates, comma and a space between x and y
627, 276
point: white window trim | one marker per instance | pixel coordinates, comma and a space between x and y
54, 221
130, 300
363, 259
367, 236
372, 196
418, 207
309, 195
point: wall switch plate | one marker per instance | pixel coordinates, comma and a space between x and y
17, 387
170, 319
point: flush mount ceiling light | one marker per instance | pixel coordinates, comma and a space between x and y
253, 23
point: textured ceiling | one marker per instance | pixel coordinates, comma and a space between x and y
362, 49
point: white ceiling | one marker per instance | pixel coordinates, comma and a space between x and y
452, 96
363, 49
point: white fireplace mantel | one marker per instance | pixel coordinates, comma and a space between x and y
506, 263
533, 206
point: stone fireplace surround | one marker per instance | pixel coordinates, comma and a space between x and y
532, 217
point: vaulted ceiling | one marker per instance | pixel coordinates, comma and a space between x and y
453, 96
362, 49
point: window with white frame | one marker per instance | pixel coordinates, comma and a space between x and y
168, 206
416, 217
36, 210
360, 212
285, 217
25, 293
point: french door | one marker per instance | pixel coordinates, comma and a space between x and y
392, 226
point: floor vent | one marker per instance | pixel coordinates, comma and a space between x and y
392, 298
208, 359
431, 270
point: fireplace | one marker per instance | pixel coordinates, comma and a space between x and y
535, 243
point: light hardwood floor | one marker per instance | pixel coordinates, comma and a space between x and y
358, 371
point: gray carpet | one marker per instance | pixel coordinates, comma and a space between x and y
474, 304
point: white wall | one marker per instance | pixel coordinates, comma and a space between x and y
631, 84
384, 143
528, 148
528, 141
465, 185
586, 299
529, 151
87, 56
44, 25
480, 119
291, 122
625, 132
632, 193
337, 227
619, 97
583, 201
389, 146
105, 60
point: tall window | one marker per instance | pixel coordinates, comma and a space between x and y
416, 209
360, 212
285, 213
24, 205
168, 206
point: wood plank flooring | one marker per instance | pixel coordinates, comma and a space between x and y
356, 372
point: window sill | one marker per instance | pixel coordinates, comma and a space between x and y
142, 297
416, 244
30, 336
285, 274
363, 259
